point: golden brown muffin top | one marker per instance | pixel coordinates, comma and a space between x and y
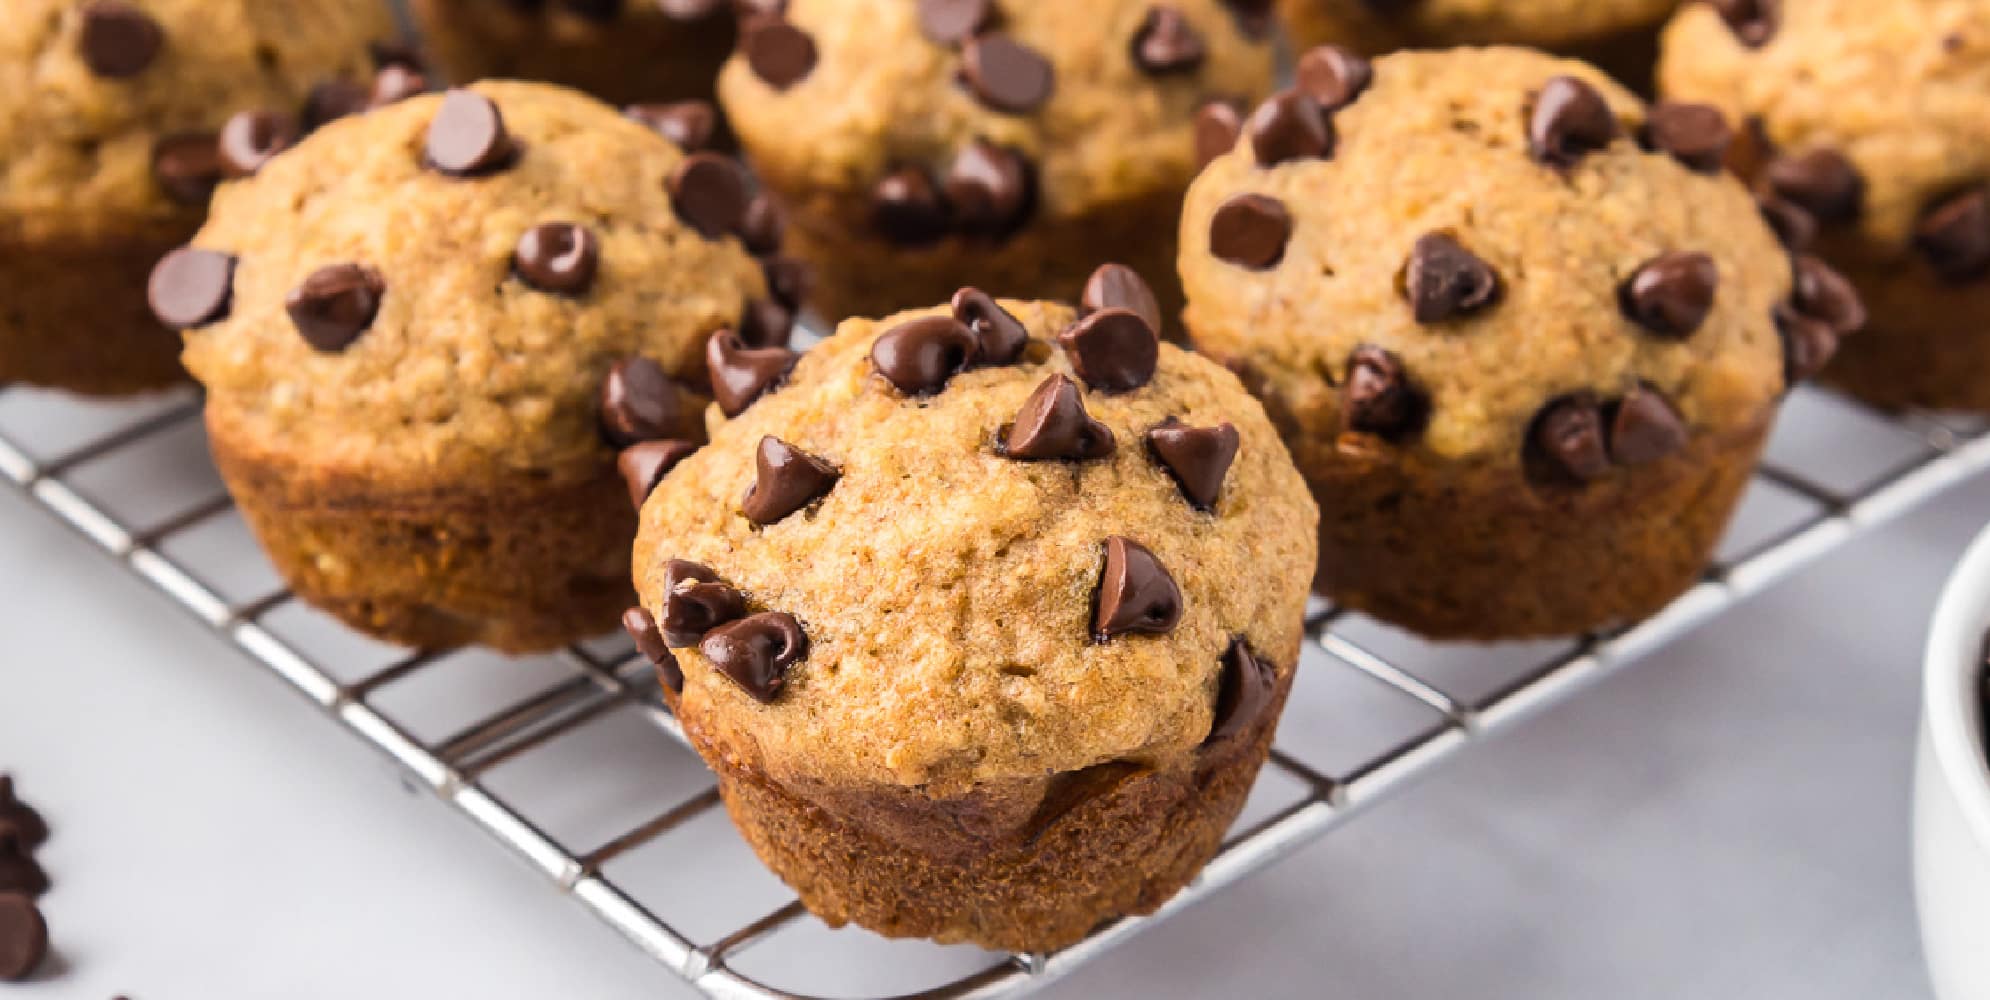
948, 574
1382, 25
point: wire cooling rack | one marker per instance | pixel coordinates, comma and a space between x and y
557, 758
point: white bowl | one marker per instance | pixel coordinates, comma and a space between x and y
1952, 788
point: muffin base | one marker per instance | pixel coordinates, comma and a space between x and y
629, 60
1927, 347
73, 315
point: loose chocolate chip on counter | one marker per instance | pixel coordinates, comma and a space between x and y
1696, 135
1567, 441
1243, 691
689, 124
1808, 343
1250, 231
1822, 182
1645, 428
558, 257
335, 305
1116, 286
250, 139
778, 52
467, 136
1444, 280
1113, 350
640, 402
330, 101
1005, 74
1570, 120
119, 40
989, 188
788, 280
641, 627
1671, 294
1954, 237
1198, 458
919, 356
1167, 42
756, 652
1053, 425
394, 83
187, 166
1378, 397
1334, 76
708, 192
18, 870
696, 601
1752, 21
191, 287
786, 480
23, 937
1794, 227
1000, 337
690, 10
949, 22
1218, 123
766, 323
741, 374
1290, 125
1823, 294
906, 208
1136, 594
764, 226
28, 826
645, 463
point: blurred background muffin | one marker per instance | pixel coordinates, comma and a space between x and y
622, 51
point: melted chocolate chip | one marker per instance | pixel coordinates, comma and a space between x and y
906, 208
1217, 126
919, 356
764, 227
1444, 280
395, 83
191, 288
1250, 231
688, 124
640, 402
1822, 182
989, 188
335, 305
1697, 135
708, 191
1290, 125
1053, 425
558, 257
740, 374
1752, 21
1244, 686
1379, 398
250, 139
644, 464
1198, 458
1671, 294
1136, 595
1334, 76
1954, 237
1645, 428
1005, 74
467, 136
118, 40
948, 22
1000, 337
1167, 42
766, 323
1116, 286
1570, 120
778, 52
187, 166
641, 627
787, 479
696, 601
23, 937
1567, 441
1113, 350
756, 652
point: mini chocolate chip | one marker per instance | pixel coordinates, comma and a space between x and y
1244, 686
1167, 42
778, 52
1378, 397
1954, 236
1290, 125
1823, 294
919, 356
640, 402
689, 124
1822, 182
332, 100
1567, 441
989, 188
1645, 428
335, 305
1671, 294
947, 22
1752, 21
1198, 458
696, 601
1696, 135
764, 226
1053, 425
690, 10
709, 193
786, 480
558, 257
1795, 228
756, 652
1808, 343
119, 40
1218, 123
906, 208
28, 826
1113, 350
1334, 76
1116, 286
23, 937
1136, 594
641, 627
645, 463
394, 83
1000, 337
788, 280
740, 374
1444, 280
18, 870
766, 323
187, 166
1250, 231
467, 136
191, 287
1006, 74
250, 139
1570, 120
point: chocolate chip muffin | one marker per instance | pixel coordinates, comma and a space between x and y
919, 144
1869, 141
983, 614
109, 111
1522, 334
425, 333
623, 51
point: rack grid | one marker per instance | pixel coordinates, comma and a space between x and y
1834, 471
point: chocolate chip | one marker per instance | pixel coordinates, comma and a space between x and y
1218, 123
1198, 458
689, 124
989, 188
788, 280
250, 139
1795, 228
1444, 280
27, 825
709, 193
764, 227
766, 323
335, 305
1752, 21
950, 21
1334, 76
777, 51
1822, 182
640, 402
1808, 343
332, 100
1671, 294
756, 652
645, 463
1136, 594
18, 870
1823, 294
919, 356
1113, 350
695, 601
1116, 286
1645, 428
118, 40
191, 287
1379, 398
1954, 237
1567, 441
642, 628
1696, 135
1053, 425
906, 208
467, 136
395, 83
23, 937
1290, 125
786, 480
1000, 337
740, 374
1250, 231
1167, 42
1570, 120
187, 166
558, 257
1244, 686
1006, 74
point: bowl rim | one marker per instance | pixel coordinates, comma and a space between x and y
1951, 702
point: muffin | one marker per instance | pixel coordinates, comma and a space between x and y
622, 51
984, 615
920, 145
1871, 141
1523, 336
109, 111
426, 331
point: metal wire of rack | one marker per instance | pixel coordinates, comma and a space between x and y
1834, 471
